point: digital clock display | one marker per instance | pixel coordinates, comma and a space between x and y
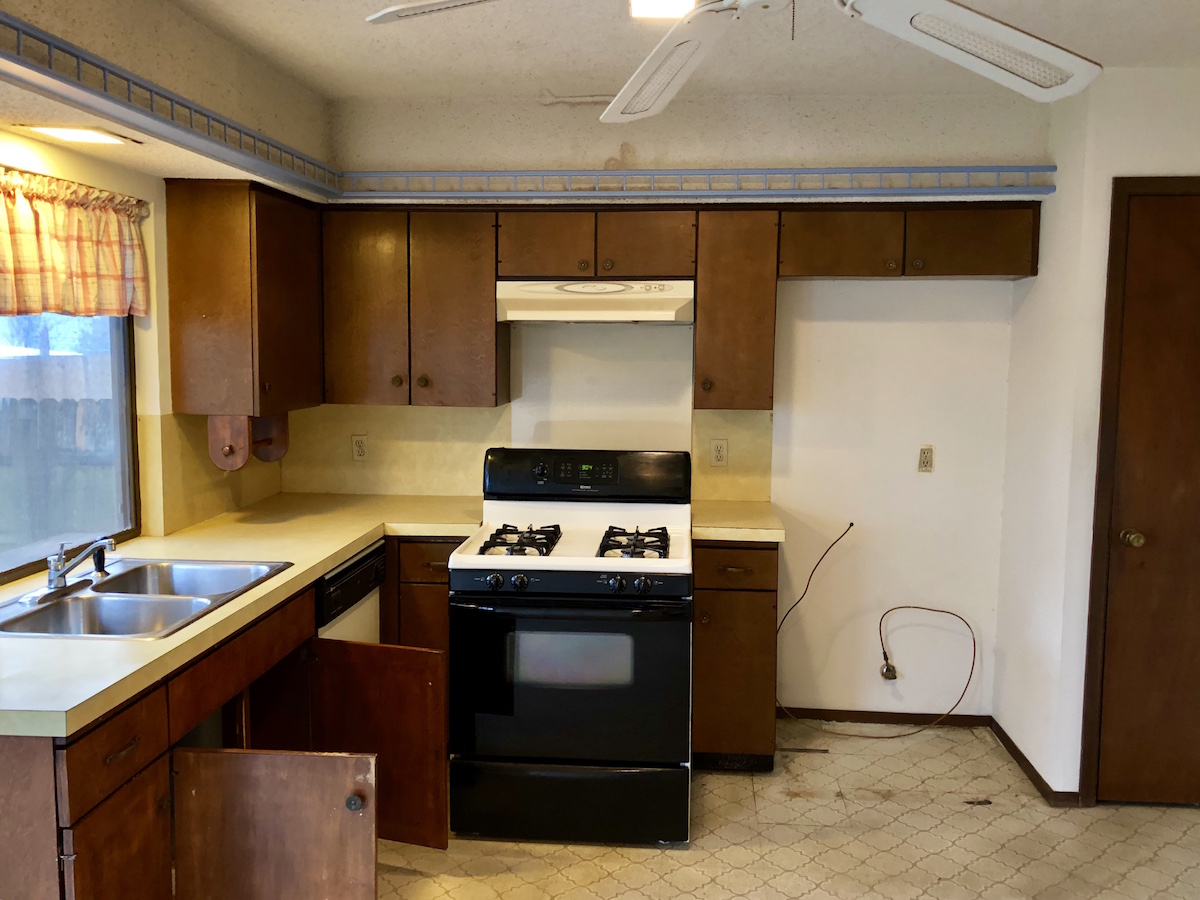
576, 471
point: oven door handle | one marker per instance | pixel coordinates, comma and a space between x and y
639, 614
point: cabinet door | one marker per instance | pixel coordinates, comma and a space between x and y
251, 825
648, 244
842, 244
366, 306
972, 241
733, 673
121, 850
459, 353
425, 616
287, 304
735, 310
390, 701
546, 245
277, 707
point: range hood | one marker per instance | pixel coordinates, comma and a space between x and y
669, 302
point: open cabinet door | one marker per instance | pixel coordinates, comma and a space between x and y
254, 825
390, 701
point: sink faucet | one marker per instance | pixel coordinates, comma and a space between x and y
57, 566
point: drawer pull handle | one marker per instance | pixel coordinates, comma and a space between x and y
121, 754
734, 570
434, 564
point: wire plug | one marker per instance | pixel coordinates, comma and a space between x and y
887, 671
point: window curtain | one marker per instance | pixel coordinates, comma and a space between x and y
71, 249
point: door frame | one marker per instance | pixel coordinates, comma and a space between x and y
1124, 190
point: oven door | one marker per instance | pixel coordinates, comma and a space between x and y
567, 679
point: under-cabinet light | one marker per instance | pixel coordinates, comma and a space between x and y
79, 135
660, 9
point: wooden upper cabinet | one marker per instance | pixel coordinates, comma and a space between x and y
646, 244
459, 352
735, 309
366, 306
243, 267
546, 245
842, 244
973, 241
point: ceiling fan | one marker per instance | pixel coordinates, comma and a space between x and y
1011, 57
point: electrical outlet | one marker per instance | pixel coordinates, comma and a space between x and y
719, 452
358, 447
925, 459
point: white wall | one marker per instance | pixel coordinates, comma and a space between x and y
1131, 122
866, 373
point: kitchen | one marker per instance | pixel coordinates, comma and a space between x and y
1001, 377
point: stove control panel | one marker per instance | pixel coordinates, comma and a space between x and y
569, 584
616, 475
585, 470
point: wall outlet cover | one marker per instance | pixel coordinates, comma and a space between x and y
718, 452
358, 447
925, 459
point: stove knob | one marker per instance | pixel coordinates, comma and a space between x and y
642, 584
495, 581
520, 582
616, 584
541, 470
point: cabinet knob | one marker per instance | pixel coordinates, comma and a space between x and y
608, 264
397, 381
423, 381
706, 384
583, 265
918, 263
891, 264
354, 803
1131, 537
704, 619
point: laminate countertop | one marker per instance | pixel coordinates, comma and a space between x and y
54, 687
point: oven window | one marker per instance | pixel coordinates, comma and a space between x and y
570, 659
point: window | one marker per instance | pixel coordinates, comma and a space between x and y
68, 462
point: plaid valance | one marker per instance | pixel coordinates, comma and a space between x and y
69, 248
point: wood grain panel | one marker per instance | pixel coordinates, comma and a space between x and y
208, 276
546, 245
200, 690
734, 567
426, 561
287, 302
390, 701
389, 593
425, 616
264, 826
455, 340
278, 706
733, 673
646, 244
842, 243
28, 836
977, 241
366, 306
735, 310
121, 850
93, 766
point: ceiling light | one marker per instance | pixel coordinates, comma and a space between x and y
79, 135
660, 9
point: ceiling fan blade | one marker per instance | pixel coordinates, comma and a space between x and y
1020, 61
418, 8
672, 62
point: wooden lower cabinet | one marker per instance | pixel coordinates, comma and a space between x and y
425, 591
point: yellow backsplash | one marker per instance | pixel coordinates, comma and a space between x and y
748, 475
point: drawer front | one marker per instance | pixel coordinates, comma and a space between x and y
91, 768
197, 692
733, 568
424, 562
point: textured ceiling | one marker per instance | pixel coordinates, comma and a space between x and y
524, 48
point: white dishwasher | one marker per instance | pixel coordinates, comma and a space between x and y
348, 598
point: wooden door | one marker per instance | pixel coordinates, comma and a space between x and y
1149, 724
842, 244
735, 310
646, 244
287, 303
459, 352
546, 245
389, 701
251, 825
733, 673
121, 850
972, 241
425, 616
366, 306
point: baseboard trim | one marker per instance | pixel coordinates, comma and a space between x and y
871, 717
1051, 796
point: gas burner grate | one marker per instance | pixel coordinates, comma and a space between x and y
508, 540
654, 543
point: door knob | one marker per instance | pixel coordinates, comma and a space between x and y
1132, 538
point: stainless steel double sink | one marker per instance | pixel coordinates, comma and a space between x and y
139, 599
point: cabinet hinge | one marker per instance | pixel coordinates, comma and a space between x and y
64, 858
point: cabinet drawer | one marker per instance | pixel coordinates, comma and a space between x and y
91, 768
198, 692
425, 562
734, 568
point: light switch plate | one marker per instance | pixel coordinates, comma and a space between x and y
358, 447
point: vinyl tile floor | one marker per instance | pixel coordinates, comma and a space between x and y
945, 814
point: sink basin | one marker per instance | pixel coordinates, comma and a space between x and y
185, 579
110, 615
